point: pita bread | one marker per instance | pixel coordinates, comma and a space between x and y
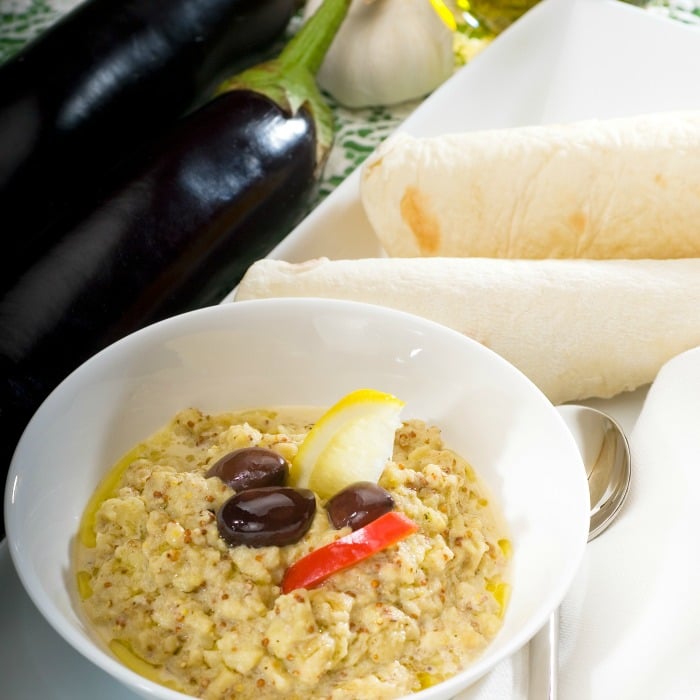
576, 328
619, 188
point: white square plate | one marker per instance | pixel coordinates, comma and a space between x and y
564, 60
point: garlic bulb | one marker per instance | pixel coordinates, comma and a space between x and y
386, 52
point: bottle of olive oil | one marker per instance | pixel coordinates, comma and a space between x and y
493, 16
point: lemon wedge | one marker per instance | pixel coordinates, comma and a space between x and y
350, 442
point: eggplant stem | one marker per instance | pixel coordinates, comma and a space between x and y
290, 79
309, 46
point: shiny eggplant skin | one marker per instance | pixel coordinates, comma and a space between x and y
103, 81
187, 220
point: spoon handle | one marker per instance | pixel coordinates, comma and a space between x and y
544, 661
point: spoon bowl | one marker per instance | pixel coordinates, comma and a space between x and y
606, 457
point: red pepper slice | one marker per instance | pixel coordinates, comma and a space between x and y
317, 566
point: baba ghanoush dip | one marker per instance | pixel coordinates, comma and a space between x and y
181, 604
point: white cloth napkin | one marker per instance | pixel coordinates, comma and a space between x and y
630, 625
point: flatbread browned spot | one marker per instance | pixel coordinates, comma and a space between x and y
423, 224
660, 180
578, 220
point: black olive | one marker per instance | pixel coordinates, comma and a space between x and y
251, 467
268, 516
358, 504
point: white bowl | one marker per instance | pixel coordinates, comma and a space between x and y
308, 352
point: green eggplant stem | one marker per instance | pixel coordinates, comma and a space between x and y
290, 79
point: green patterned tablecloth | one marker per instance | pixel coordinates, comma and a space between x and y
357, 131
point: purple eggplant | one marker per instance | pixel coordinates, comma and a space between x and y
101, 82
178, 229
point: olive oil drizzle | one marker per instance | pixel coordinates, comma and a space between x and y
123, 651
106, 489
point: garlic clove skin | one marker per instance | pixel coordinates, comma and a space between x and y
386, 52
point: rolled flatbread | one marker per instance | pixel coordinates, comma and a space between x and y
576, 328
618, 188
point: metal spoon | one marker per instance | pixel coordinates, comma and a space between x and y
606, 456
